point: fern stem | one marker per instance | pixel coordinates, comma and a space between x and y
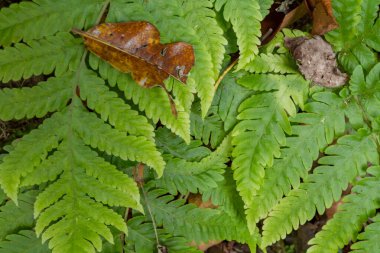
151, 216
225, 72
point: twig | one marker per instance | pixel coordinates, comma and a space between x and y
225, 72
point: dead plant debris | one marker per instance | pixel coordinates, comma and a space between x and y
316, 61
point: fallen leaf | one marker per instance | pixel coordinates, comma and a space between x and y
284, 14
323, 17
134, 47
316, 60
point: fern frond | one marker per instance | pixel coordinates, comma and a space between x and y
39, 18
25, 241
324, 118
26, 154
347, 14
360, 205
225, 195
208, 129
183, 176
112, 108
141, 238
245, 18
257, 138
169, 143
369, 239
13, 218
373, 39
36, 101
102, 136
202, 18
366, 88
153, 101
47, 170
228, 98
265, 6
81, 221
68, 211
344, 161
354, 36
220, 226
54, 53
272, 63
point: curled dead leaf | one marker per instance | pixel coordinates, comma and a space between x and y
316, 60
134, 47
323, 17
284, 14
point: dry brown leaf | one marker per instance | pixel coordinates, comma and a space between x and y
316, 60
323, 17
134, 47
279, 18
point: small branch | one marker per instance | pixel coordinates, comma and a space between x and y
225, 72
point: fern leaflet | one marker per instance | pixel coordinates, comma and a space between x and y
347, 222
344, 162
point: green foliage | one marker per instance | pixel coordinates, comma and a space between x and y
25, 241
357, 208
110, 167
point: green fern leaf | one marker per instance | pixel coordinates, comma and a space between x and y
346, 12
112, 108
26, 154
344, 162
225, 195
369, 239
366, 88
265, 6
348, 221
25, 241
245, 18
354, 36
169, 143
153, 101
272, 63
13, 218
54, 53
202, 18
324, 118
208, 129
39, 18
228, 98
183, 176
373, 39
102, 136
188, 220
257, 138
78, 218
37, 101
141, 238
